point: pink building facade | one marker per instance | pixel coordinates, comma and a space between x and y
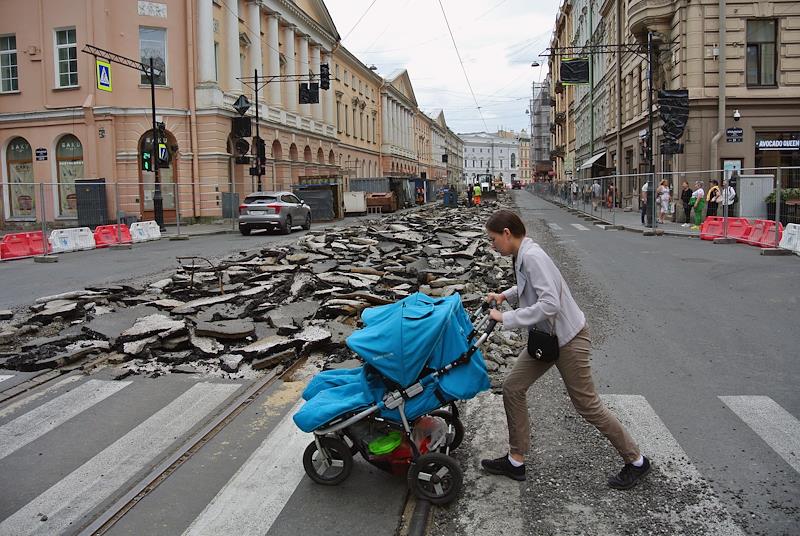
57, 127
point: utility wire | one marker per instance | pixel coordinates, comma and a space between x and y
463, 69
359, 19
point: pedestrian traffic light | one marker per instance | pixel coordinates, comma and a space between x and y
259, 147
309, 93
324, 76
147, 160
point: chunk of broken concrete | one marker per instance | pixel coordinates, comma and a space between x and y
152, 325
231, 362
225, 329
206, 345
268, 346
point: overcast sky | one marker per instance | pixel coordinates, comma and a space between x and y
498, 40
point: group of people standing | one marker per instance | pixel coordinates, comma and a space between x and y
697, 203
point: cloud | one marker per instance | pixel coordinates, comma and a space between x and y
495, 40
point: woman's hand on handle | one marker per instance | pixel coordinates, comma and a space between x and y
496, 315
497, 298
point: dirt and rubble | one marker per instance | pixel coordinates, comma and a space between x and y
246, 314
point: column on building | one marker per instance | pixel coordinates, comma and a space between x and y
290, 93
318, 109
234, 66
254, 28
205, 41
395, 123
302, 66
384, 119
274, 60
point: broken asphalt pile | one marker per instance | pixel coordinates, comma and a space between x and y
261, 310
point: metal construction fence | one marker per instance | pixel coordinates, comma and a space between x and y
688, 202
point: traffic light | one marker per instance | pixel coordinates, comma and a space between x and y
324, 76
147, 160
163, 155
309, 93
259, 147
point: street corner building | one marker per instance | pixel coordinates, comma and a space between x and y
736, 60
76, 108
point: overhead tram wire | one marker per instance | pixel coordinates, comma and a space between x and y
359, 19
463, 69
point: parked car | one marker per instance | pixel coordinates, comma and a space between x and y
516, 185
273, 210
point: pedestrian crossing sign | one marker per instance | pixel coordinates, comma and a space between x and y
103, 75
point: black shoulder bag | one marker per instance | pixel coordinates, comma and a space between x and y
542, 346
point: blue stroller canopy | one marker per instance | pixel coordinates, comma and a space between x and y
402, 338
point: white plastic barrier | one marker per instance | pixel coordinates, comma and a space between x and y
144, 231
152, 230
139, 232
791, 238
73, 239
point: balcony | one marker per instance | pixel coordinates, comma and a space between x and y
559, 87
655, 15
560, 118
558, 152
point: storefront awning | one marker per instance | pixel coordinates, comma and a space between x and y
590, 162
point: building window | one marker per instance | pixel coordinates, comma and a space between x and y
513, 160
66, 58
19, 159
361, 125
373, 131
337, 70
69, 161
153, 44
338, 116
346, 78
761, 57
9, 78
355, 134
346, 121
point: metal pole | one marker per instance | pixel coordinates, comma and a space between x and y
177, 207
258, 157
116, 205
651, 190
777, 206
591, 87
45, 243
158, 202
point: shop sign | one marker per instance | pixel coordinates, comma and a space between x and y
734, 135
41, 154
778, 145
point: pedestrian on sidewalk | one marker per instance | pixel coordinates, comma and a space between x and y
643, 202
712, 198
545, 302
663, 200
597, 192
698, 202
726, 198
686, 196
611, 197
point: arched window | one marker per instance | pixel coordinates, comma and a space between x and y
513, 160
21, 198
69, 162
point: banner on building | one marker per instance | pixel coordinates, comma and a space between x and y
574, 71
673, 108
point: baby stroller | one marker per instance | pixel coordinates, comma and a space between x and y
398, 410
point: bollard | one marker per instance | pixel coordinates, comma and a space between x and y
116, 206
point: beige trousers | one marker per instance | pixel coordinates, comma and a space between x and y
573, 364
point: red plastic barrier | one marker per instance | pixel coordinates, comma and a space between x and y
711, 228
16, 245
106, 235
762, 234
738, 227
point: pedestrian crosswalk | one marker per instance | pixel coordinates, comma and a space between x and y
580, 227
4, 377
577, 226
250, 499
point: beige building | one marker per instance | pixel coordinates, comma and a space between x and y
50, 104
357, 91
525, 167
756, 51
398, 108
455, 162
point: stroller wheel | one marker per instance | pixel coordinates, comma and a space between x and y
331, 465
435, 477
455, 422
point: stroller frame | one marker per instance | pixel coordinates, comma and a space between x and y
434, 475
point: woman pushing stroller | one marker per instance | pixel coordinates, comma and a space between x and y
559, 337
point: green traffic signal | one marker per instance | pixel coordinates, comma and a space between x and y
147, 161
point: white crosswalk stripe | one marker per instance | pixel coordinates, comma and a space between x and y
4, 377
776, 426
56, 412
580, 227
251, 501
554, 226
657, 442
92, 483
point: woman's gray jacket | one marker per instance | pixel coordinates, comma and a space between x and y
543, 295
